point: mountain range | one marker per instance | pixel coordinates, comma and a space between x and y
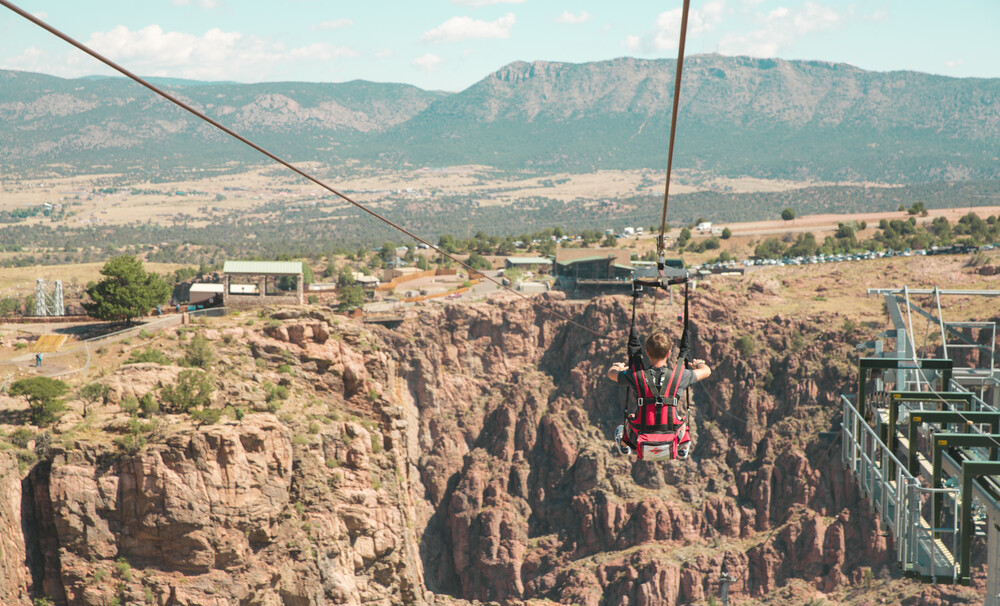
738, 116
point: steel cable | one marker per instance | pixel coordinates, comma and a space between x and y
661, 241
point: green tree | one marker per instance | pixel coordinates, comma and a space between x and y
684, 237
130, 405
127, 292
345, 277
388, 252
92, 393
590, 236
351, 297
208, 416
610, 241
788, 214
330, 270
193, 388
727, 233
746, 345
307, 274
477, 261
8, 306
149, 405
448, 244
771, 248
199, 353
43, 397
805, 246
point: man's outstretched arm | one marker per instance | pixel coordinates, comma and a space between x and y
700, 369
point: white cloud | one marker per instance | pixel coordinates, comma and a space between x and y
335, 24
385, 53
667, 31
478, 3
466, 28
204, 4
954, 64
428, 62
217, 55
571, 19
781, 28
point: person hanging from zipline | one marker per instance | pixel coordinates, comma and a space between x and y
659, 384
655, 430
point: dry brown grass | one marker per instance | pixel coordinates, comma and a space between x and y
22, 279
248, 190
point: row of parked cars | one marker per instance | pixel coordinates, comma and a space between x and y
955, 249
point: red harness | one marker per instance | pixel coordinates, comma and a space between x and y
655, 430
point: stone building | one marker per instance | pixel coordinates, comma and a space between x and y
257, 283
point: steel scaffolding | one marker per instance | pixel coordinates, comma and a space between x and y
49, 298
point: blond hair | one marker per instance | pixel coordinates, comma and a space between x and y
658, 345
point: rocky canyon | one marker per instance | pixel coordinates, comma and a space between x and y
464, 457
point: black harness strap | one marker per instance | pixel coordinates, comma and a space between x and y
673, 385
637, 368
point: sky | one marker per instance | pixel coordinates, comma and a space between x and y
451, 44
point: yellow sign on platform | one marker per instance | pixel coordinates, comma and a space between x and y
49, 343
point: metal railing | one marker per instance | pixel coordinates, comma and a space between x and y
899, 498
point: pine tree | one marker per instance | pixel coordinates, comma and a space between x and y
127, 292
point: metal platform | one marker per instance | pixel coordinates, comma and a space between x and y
926, 451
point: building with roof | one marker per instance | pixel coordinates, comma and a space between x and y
257, 283
541, 265
593, 275
205, 294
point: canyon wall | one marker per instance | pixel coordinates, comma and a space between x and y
465, 456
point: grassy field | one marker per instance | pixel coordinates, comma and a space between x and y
115, 199
19, 281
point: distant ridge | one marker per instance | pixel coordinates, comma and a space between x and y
158, 81
739, 116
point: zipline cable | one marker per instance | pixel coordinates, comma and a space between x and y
83, 47
661, 241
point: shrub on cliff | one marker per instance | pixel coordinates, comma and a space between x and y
199, 353
149, 355
746, 346
43, 397
193, 389
130, 405
92, 393
208, 416
149, 405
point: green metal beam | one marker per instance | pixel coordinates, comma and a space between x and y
865, 364
944, 417
944, 365
970, 471
891, 437
943, 440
